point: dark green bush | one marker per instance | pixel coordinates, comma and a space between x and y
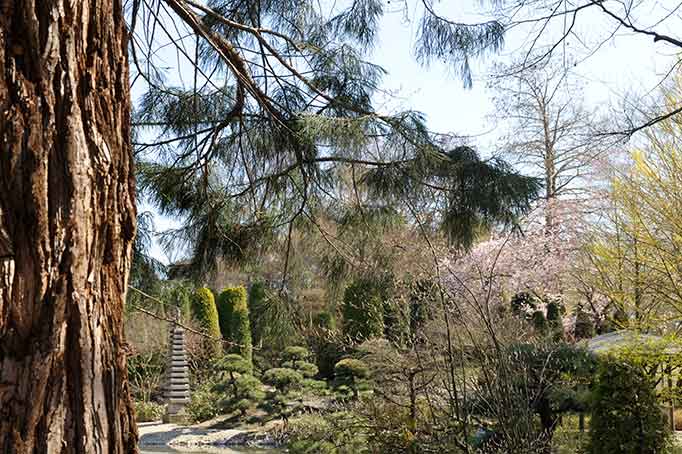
626, 417
206, 315
257, 306
226, 302
363, 310
584, 325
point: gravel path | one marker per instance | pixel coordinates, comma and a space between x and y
157, 434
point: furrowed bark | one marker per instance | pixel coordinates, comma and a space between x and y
67, 222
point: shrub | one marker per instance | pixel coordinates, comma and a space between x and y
295, 354
318, 387
325, 320
247, 392
584, 325
240, 328
306, 369
626, 417
148, 411
206, 314
328, 348
362, 309
350, 372
257, 303
232, 364
283, 379
226, 301
397, 320
337, 433
204, 403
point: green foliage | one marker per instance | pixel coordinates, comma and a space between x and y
329, 347
307, 369
325, 320
350, 372
283, 379
539, 322
584, 324
336, 433
146, 411
179, 294
626, 417
204, 403
397, 320
206, 314
240, 328
555, 313
246, 391
257, 307
226, 302
233, 364
363, 310
316, 387
295, 354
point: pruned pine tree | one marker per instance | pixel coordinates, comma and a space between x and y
280, 102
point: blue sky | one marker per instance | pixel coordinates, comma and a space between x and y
626, 67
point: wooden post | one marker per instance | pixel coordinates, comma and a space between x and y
176, 393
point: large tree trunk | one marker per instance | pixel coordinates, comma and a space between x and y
67, 221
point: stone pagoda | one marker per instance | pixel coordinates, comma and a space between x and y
176, 392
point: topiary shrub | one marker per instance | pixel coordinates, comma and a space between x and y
246, 393
233, 366
206, 314
226, 301
257, 304
240, 327
362, 310
350, 372
295, 354
626, 417
282, 378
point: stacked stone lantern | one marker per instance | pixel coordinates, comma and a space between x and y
176, 392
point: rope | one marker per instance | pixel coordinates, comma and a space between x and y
175, 322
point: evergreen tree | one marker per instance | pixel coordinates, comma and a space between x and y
626, 417
257, 311
240, 328
205, 313
363, 310
226, 303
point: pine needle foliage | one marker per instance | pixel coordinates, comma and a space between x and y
280, 103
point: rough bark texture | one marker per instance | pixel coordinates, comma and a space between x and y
67, 221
